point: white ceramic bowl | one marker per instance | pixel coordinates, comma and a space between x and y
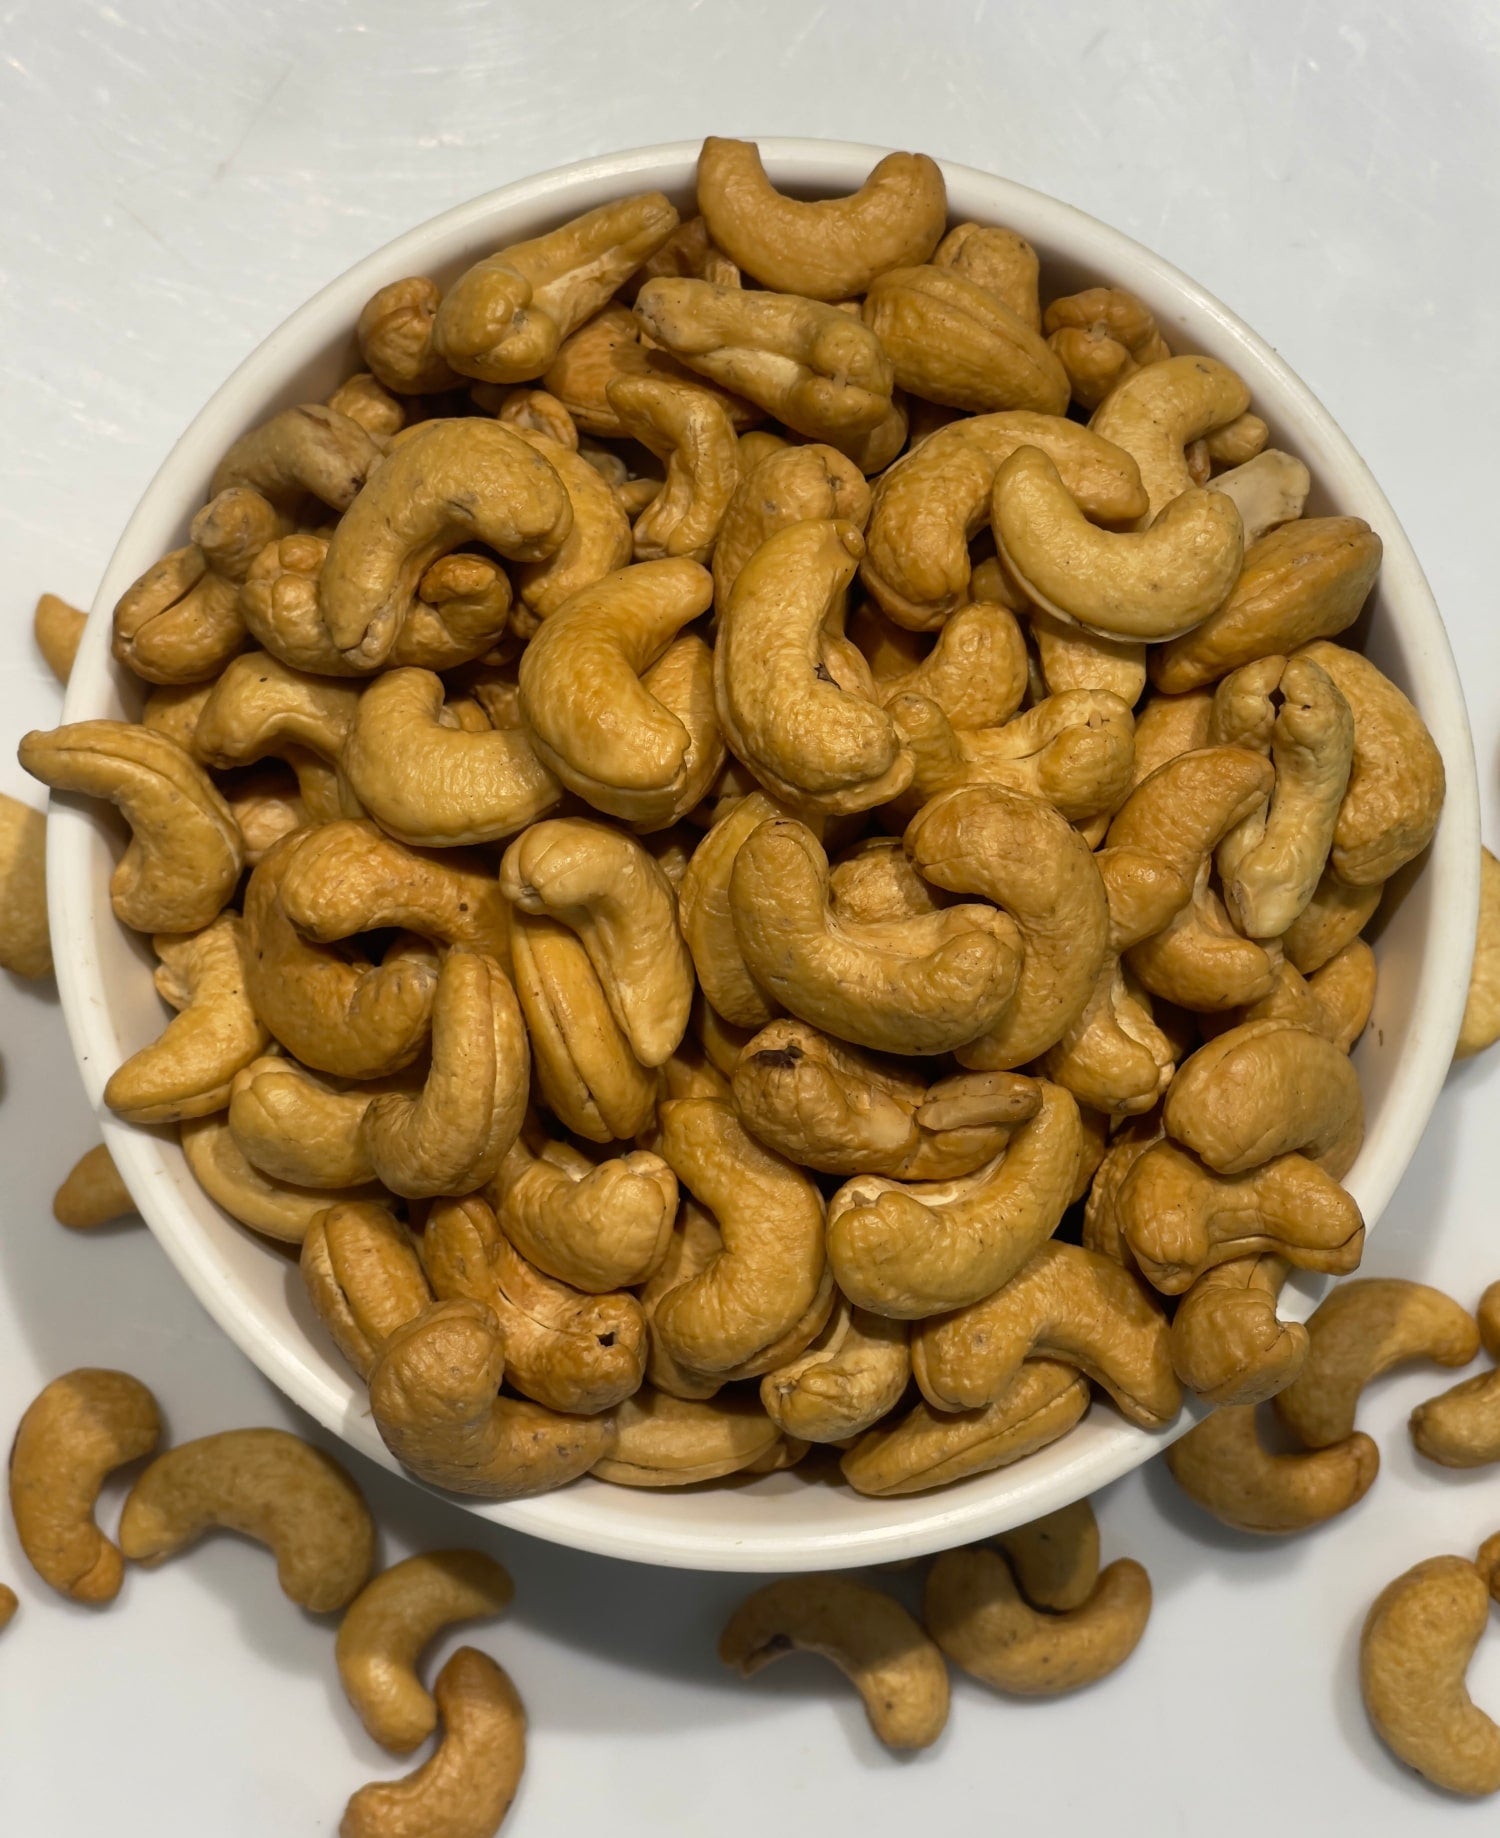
256, 1296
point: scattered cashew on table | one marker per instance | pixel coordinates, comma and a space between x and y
707, 929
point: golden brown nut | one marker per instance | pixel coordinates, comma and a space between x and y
854, 1373
705, 912
952, 341
814, 483
280, 1209
260, 707
1000, 261
1228, 1343
1155, 412
92, 1193
25, 942
609, 346
395, 337
57, 628
365, 399
1199, 961
690, 431
666, 1441
363, 1276
1222, 1465
1055, 1559
1331, 920
598, 543
1481, 1023
974, 670
308, 451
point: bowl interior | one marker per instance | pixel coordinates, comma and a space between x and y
780, 1521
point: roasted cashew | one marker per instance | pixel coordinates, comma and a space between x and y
1335, 1001
585, 1070
920, 1249
390, 1621
1167, 726
363, 1277
305, 452
395, 337
820, 372
689, 430
57, 628
25, 942
692, 1245
665, 1441
1331, 920
952, 341
1101, 1217
181, 621
1414, 1650
1102, 335
186, 851
1481, 1023
566, 1350
1222, 1465
706, 914
92, 1193
1000, 261
260, 707
608, 889
828, 250
1461, 1427
874, 879
187, 1071
1064, 1303
597, 1226
1072, 658
504, 319
433, 1398
267, 802
280, 1209
1359, 1330
609, 346
1228, 1343
1199, 961
934, 500
267, 1485
1267, 491
365, 399
1156, 411
1023, 855
294, 1126
918, 985
465, 1788
1306, 580
72, 1435
851, 1376
795, 698
769, 1278
975, 669
598, 543
1179, 1219
690, 250
1055, 1559
973, 1608
815, 483
929, 1448
869, 1636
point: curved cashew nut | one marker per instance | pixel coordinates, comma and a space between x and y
1072, 658
92, 1193
186, 850
665, 1441
929, 1448
74, 1433
1179, 1219
974, 1610
598, 543
1055, 1559
279, 1209
1000, 261
1306, 580
933, 501
918, 985
1222, 1465
975, 669
706, 913
1414, 1650
270, 1486
869, 1636
690, 249
57, 628
363, 1277
1335, 1001
1199, 961
854, 1373
828, 250
25, 941
923, 1248
1064, 1303
608, 889
692, 1244
433, 1398
691, 433
395, 337
187, 1071
1101, 1217
391, 1620
814, 483
1481, 1023
1152, 584
954, 342
294, 1126
465, 1789
306, 452
1360, 1330
795, 697
1158, 410
1026, 857
1228, 1343
1332, 919
608, 346
260, 707
1461, 1427
1102, 335
504, 319
1168, 726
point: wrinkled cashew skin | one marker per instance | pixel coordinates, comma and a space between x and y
1222, 1465
851, 1376
1155, 413
661, 1440
1227, 1342
951, 341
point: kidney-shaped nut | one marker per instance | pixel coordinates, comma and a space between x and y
1000, 261
597, 544
261, 707
395, 337
705, 912
1152, 584
813, 483
504, 319
609, 890
926, 1247
851, 1376
1199, 961
270, 1486
918, 985
1264, 1089
689, 430
280, 1209
869, 1636
92, 1193
974, 671
1414, 1651
952, 341
465, 1788
1055, 1559
1268, 490
363, 1276
71, 1436
1461, 1427
972, 1607
186, 850
828, 250
1359, 1330
311, 451
665, 1441
1228, 1344
1156, 412
187, 1071
1224, 1467
933, 501
1180, 1219
25, 942
1064, 1303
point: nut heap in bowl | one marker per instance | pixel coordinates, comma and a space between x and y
761, 841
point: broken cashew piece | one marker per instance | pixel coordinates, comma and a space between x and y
58, 630
92, 1194
1481, 1023
1222, 1465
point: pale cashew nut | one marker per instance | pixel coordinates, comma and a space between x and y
811, 484
608, 889
1155, 413
25, 941
897, 1670
187, 1071
186, 850
851, 1376
1414, 1650
1222, 1466
1461, 1427
57, 628
828, 250
974, 670
1072, 658
954, 342
598, 543
1064, 1303
465, 1788
504, 319
363, 1277
307, 452
1267, 491
72, 1435
690, 432
270, 1486
390, 1621
395, 337
1000, 261
920, 1249
1481, 1023
92, 1193
433, 1398
666, 1441
973, 1608
1055, 1559
1228, 1343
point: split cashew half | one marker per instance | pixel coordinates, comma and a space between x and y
25, 941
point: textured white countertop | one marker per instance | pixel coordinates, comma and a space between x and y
174, 179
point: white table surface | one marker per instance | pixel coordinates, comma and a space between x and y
174, 179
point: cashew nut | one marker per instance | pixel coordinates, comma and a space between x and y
363, 1276
395, 337
1267, 490
57, 628
1055, 1559
952, 341
692, 1245
609, 346
974, 670
308, 451
365, 399
1167, 726
789, 485
665, 1441
1334, 916
1156, 411
850, 1377
1481, 1023
690, 249
1228, 1343
92, 1194
706, 914
1461, 1427
261, 707
1101, 1217
25, 942
1222, 1465
294, 1126
689, 430
1335, 1001
1072, 658
1199, 961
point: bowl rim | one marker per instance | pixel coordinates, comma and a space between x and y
984, 1504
